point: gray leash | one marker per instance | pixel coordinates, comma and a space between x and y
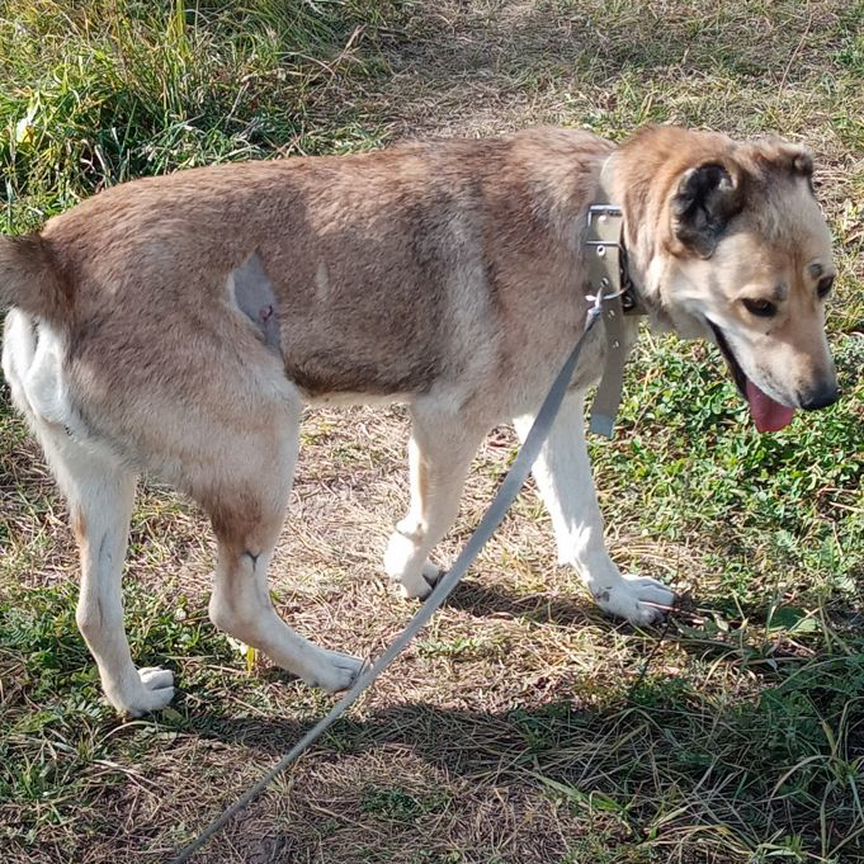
501, 503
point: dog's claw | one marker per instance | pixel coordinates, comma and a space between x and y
432, 575
639, 599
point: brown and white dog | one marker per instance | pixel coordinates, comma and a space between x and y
177, 325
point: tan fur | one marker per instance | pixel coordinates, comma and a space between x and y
31, 280
448, 275
780, 241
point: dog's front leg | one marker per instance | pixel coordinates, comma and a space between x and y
439, 455
563, 476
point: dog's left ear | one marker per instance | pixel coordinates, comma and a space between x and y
796, 160
707, 197
802, 162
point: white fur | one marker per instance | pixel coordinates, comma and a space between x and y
439, 455
241, 606
563, 476
100, 491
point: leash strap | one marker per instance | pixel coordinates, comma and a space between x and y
506, 495
607, 400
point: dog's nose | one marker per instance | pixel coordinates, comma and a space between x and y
820, 397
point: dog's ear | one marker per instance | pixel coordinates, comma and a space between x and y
802, 162
707, 197
791, 158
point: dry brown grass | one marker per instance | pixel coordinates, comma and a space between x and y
523, 726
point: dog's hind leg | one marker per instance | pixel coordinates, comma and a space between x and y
247, 512
101, 492
439, 455
563, 476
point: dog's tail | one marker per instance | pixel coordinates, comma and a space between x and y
30, 279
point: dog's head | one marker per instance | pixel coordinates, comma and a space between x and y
727, 241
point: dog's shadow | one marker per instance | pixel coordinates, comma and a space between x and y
396, 724
483, 601
393, 757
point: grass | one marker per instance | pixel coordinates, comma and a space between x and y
522, 726
98, 92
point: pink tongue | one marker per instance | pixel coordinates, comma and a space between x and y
768, 415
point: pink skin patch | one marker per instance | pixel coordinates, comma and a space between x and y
768, 415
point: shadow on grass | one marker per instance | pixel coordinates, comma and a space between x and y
483, 601
665, 764
692, 625
672, 759
661, 762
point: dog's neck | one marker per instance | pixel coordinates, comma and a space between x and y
640, 295
618, 281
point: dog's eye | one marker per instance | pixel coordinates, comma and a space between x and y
760, 308
824, 288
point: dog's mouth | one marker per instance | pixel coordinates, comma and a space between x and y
768, 414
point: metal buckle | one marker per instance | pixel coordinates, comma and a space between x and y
604, 243
607, 231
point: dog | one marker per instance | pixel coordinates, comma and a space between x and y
177, 326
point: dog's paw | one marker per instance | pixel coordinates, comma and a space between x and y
335, 671
154, 691
430, 575
419, 588
639, 599
400, 565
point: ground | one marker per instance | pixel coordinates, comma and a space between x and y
522, 726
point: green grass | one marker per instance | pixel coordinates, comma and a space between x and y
523, 726
97, 92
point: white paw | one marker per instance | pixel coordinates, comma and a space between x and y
422, 587
334, 671
154, 690
639, 599
401, 566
